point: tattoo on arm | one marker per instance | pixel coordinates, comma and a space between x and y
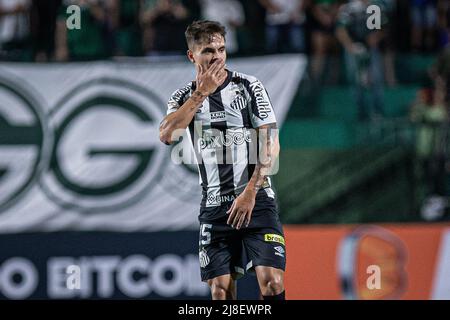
198, 98
258, 177
265, 157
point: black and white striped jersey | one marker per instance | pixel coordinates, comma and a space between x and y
223, 136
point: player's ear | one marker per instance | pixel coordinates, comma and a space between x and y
190, 56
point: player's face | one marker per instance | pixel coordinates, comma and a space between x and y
205, 54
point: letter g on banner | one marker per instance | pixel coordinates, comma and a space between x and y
106, 153
24, 140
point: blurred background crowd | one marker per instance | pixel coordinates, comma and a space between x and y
34, 30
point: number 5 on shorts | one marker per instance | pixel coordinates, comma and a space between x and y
205, 233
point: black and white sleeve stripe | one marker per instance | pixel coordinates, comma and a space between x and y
178, 98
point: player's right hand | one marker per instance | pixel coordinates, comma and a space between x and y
209, 80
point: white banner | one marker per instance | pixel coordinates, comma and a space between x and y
79, 147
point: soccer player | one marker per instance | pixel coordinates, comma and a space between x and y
228, 116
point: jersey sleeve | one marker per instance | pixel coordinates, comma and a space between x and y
261, 109
178, 98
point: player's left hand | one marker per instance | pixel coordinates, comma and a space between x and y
240, 211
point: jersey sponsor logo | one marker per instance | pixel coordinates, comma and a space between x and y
262, 103
273, 238
217, 139
218, 116
211, 199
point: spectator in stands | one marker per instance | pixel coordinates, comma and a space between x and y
424, 22
228, 13
43, 25
440, 72
322, 16
124, 24
362, 57
284, 18
14, 29
430, 112
388, 43
90, 41
444, 22
164, 23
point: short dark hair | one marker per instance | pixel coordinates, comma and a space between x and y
202, 32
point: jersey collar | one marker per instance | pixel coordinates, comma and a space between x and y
226, 82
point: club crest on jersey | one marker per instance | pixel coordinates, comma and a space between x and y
203, 258
238, 103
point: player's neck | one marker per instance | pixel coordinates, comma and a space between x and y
226, 78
